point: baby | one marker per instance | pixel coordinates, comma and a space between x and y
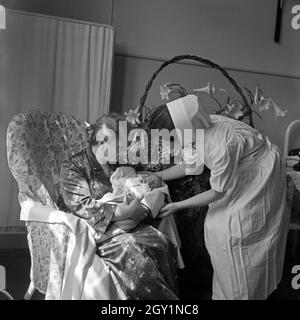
128, 185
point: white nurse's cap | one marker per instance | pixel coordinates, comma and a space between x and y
187, 113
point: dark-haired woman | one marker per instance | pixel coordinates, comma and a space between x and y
246, 224
144, 260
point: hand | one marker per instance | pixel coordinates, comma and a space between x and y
137, 211
134, 211
151, 173
169, 209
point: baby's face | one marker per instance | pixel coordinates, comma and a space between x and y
136, 181
153, 181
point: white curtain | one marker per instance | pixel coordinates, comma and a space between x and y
50, 64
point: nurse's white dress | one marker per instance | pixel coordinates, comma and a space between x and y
246, 230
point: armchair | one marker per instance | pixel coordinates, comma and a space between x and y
37, 144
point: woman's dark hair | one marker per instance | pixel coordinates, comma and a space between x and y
110, 121
160, 118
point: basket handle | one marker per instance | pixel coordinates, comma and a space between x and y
204, 61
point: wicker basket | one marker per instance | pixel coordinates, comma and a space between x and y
247, 111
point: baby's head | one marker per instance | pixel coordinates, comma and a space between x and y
153, 181
138, 184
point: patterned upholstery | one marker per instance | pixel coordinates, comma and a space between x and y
37, 143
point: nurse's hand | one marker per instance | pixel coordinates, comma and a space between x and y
169, 209
138, 211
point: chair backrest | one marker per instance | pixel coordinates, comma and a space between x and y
37, 144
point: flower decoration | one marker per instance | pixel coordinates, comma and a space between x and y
265, 103
165, 92
133, 116
278, 111
234, 110
258, 96
171, 88
230, 107
209, 89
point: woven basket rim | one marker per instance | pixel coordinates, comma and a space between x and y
176, 59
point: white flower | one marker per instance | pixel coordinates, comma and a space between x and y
234, 110
278, 111
258, 95
260, 101
132, 116
164, 92
264, 103
171, 88
209, 89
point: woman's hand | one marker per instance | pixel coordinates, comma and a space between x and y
134, 211
169, 209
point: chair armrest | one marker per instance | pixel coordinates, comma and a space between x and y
48, 244
49, 232
35, 211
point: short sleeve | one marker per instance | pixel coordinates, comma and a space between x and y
77, 197
224, 163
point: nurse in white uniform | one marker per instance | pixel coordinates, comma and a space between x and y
246, 225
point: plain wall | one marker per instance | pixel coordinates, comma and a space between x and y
99, 11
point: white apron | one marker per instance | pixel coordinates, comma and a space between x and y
246, 230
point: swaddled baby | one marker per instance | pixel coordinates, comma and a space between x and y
128, 185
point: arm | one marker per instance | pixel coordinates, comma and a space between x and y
200, 200
77, 197
172, 173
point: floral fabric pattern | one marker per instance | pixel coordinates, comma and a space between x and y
37, 144
48, 245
